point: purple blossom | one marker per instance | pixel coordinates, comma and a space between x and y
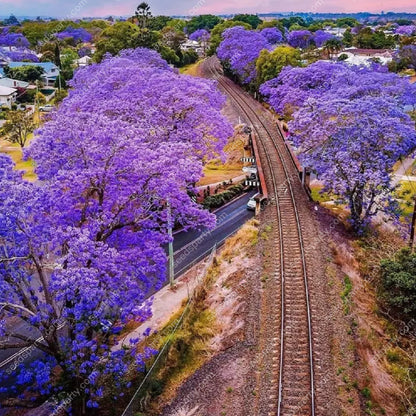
21, 56
131, 136
78, 34
300, 39
349, 125
321, 37
272, 34
406, 56
10, 39
240, 49
200, 35
406, 30
84, 51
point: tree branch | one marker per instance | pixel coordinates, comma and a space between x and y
8, 306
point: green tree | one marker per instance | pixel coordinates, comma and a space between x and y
346, 22
48, 56
269, 64
40, 99
217, 31
178, 24
332, 47
57, 55
288, 22
18, 127
381, 41
173, 38
121, 35
204, 21
68, 57
398, 283
348, 38
143, 14
366, 38
252, 19
271, 23
60, 95
28, 73
159, 22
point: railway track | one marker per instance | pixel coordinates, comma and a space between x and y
293, 377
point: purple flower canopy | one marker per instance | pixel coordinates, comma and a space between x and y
300, 39
272, 34
321, 37
89, 235
406, 30
78, 34
240, 49
21, 56
350, 126
406, 55
200, 35
8, 38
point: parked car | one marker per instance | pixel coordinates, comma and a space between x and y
252, 202
46, 108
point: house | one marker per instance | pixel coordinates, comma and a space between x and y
84, 61
366, 56
13, 83
50, 70
7, 96
192, 45
336, 31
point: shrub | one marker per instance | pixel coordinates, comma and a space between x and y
398, 282
217, 200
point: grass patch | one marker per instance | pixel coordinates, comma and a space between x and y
346, 294
191, 69
405, 195
214, 174
317, 195
15, 152
246, 238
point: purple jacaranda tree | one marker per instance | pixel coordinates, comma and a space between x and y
272, 34
12, 39
84, 51
350, 127
82, 248
239, 51
302, 39
21, 56
409, 30
200, 35
405, 57
290, 90
78, 34
320, 37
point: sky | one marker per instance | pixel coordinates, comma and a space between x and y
81, 8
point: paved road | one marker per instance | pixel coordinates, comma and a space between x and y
192, 246
189, 248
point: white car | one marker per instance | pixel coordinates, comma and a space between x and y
251, 204
46, 108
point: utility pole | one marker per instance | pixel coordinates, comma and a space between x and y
171, 260
412, 231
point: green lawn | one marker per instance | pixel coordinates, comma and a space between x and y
405, 195
14, 151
